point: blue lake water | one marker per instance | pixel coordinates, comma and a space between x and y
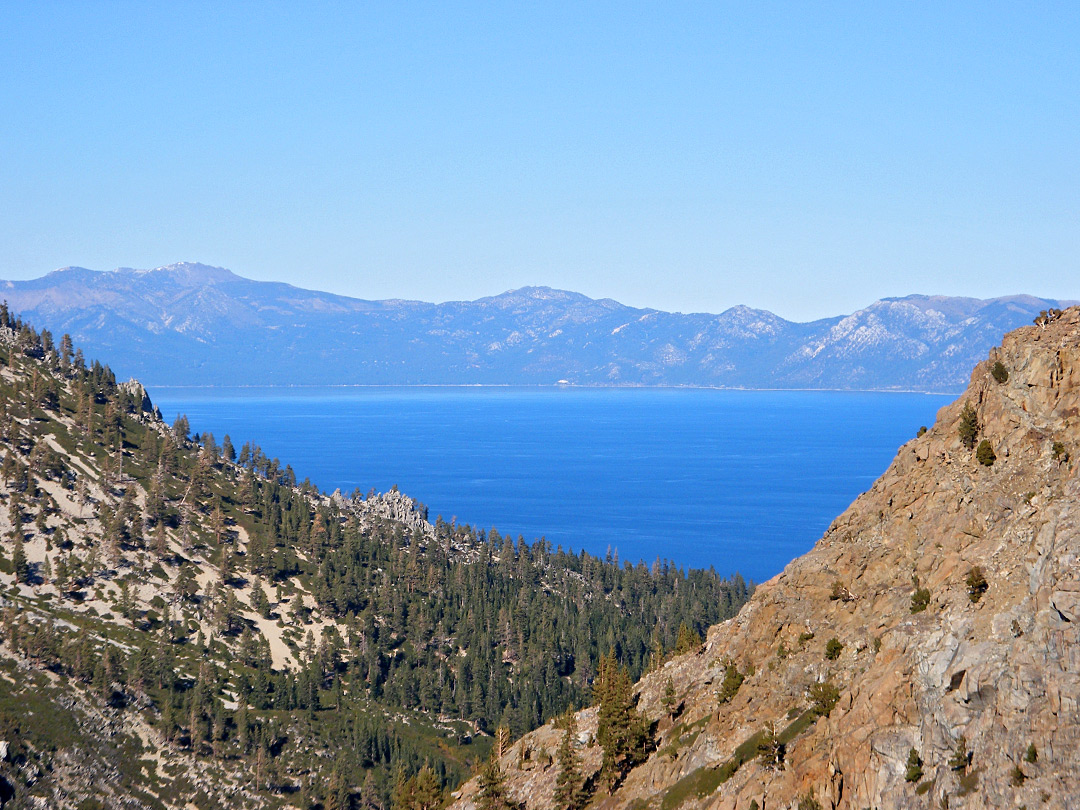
739, 480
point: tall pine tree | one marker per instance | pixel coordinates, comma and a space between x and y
621, 731
570, 791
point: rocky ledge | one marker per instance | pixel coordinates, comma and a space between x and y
938, 617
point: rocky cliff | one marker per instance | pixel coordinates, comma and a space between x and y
943, 606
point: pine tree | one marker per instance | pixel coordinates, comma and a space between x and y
61, 574
227, 449
770, 750
687, 640
569, 786
493, 787
243, 727
668, 699
729, 687
228, 612
19, 561
620, 730
337, 792
369, 797
427, 792
259, 603
968, 427
401, 798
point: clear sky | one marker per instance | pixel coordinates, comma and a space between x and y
803, 157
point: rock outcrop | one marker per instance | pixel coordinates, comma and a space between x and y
983, 683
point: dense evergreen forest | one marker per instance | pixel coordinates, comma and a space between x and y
288, 646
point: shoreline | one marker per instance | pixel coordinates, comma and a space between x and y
546, 387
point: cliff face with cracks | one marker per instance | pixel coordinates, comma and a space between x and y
999, 676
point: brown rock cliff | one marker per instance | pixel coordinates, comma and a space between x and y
1003, 672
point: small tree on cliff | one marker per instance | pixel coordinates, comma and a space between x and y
985, 453
914, 770
968, 428
770, 750
729, 687
669, 699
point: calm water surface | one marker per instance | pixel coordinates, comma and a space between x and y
739, 480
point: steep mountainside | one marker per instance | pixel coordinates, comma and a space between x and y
197, 325
925, 653
182, 624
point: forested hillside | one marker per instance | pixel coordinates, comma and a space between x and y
184, 622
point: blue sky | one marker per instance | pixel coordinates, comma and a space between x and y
802, 157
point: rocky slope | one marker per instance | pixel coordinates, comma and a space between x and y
189, 324
992, 670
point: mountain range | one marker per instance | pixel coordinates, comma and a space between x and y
191, 324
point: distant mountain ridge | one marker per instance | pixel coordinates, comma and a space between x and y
192, 324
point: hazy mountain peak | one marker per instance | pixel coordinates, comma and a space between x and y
72, 272
741, 312
187, 273
192, 323
539, 293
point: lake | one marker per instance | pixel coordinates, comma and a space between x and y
739, 480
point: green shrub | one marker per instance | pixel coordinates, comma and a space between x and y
976, 584
1032, 754
1058, 452
808, 802
960, 757
833, 648
914, 767
729, 687
969, 782
1017, 776
770, 750
985, 454
823, 698
969, 426
999, 372
920, 600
